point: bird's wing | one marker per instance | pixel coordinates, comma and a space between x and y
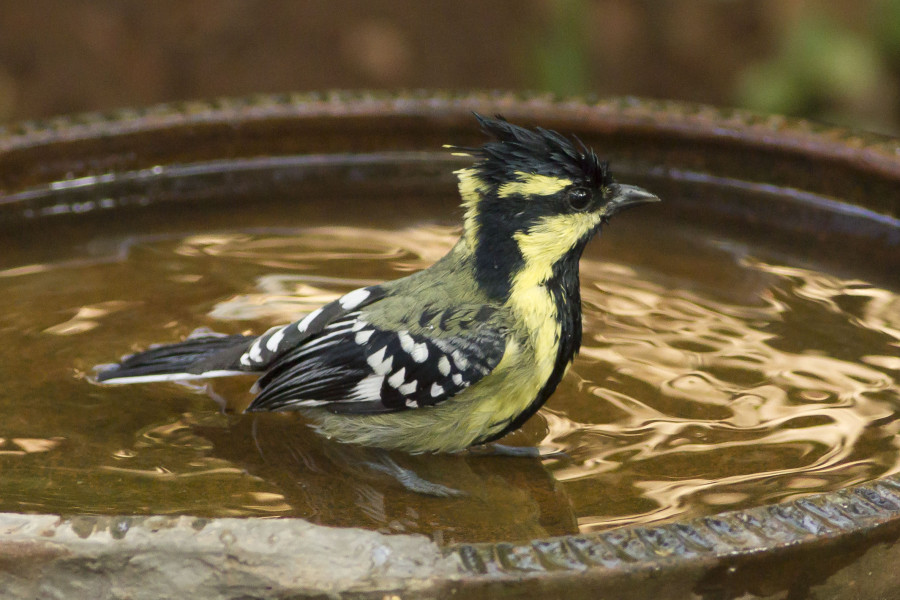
355, 367
268, 349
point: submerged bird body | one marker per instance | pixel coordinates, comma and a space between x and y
458, 354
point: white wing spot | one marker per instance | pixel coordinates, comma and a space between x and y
362, 337
369, 388
444, 366
408, 388
411, 403
302, 325
275, 340
396, 380
359, 324
457, 378
255, 352
376, 357
436, 390
420, 352
406, 341
385, 367
380, 364
353, 299
245, 360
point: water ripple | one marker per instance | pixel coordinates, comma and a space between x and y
709, 401
710, 378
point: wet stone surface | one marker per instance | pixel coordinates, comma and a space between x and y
169, 557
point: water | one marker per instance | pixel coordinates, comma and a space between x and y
722, 367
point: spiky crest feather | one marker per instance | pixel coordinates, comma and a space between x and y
538, 151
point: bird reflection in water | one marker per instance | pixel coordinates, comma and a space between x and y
485, 497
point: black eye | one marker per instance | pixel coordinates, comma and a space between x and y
579, 198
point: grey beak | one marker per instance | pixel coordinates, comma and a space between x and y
626, 196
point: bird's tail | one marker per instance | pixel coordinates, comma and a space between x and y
194, 358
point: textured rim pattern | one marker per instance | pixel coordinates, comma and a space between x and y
765, 528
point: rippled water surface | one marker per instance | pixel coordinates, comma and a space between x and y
716, 373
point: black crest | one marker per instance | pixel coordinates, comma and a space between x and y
536, 150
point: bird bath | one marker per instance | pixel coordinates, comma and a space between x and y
729, 429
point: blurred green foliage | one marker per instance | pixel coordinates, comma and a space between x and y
828, 71
819, 64
821, 69
886, 18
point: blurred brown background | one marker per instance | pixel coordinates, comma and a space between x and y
835, 60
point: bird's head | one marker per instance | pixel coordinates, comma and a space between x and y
533, 199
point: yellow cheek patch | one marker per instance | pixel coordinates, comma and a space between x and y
530, 184
548, 241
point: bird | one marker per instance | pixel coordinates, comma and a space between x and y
453, 356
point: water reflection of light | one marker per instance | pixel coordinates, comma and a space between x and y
279, 298
87, 318
421, 246
704, 385
21, 446
282, 297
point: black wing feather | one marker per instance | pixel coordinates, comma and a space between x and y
194, 355
362, 369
